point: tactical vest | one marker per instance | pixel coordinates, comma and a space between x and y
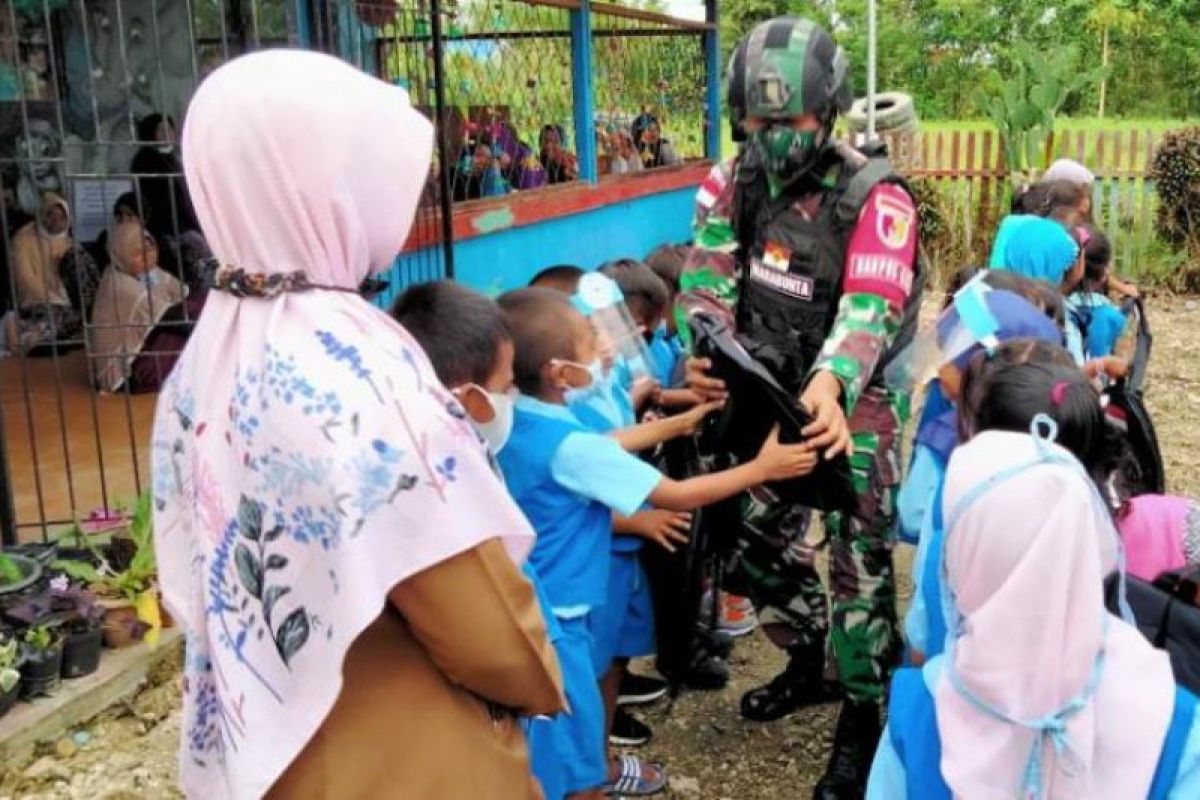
792, 266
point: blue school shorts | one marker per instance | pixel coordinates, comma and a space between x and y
544, 759
624, 625
578, 734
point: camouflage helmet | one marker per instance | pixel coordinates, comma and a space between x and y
788, 67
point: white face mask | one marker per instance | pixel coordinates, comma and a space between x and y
497, 430
166, 149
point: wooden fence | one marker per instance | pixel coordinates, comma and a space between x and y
967, 171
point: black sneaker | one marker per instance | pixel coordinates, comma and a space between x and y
628, 730
638, 690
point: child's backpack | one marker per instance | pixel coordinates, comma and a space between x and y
1126, 409
1168, 615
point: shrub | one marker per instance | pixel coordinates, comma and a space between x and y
1176, 173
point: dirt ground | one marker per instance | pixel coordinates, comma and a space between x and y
710, 751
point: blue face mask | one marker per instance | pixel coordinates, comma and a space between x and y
151, 278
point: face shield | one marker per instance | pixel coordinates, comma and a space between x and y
600, 300
967, 325
978, 318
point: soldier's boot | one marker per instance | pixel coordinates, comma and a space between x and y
802, 683
854, 743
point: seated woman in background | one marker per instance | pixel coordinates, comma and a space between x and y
624, 154
167, 207
480, 174
654, 150
141, 318
37, 249
561, 165
518, 163
44, 312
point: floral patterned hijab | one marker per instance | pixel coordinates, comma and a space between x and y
306, 459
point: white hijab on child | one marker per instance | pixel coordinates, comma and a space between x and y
1025, 560
1065, 169
306, 459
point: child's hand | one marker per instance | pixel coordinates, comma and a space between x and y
779, 462
643, 389
664, 528
690, 421
699, 381
678, 398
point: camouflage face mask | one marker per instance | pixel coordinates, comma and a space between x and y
786, 153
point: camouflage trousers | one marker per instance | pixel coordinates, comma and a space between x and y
776, 566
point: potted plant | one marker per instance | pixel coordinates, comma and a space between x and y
83, 631
75, 612
17, 573
42, 671
10, 674
123, 594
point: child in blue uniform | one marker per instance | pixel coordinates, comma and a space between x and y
1010, 317
1098, 319
667, 262
1041, 693
468, 343
569, 481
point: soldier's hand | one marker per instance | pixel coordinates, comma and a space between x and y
700, 382
829, 431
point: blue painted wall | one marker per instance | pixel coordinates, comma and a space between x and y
508, 258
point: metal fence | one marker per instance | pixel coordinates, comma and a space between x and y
92, 95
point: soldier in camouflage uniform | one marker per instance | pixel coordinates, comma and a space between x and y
810, 249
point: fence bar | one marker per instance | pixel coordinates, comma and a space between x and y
712, 70
446, 192
8, 514
583, 91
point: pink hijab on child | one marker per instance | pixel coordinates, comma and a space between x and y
306, 459
1026, 559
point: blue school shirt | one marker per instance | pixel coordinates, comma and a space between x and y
665, 354
568, 481
1099, 321
937, 436
1004, 234
908, 759
605, 412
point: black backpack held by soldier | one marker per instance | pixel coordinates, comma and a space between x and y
810, 249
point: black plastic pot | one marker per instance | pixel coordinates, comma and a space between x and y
81, 653
9, 699
42, 671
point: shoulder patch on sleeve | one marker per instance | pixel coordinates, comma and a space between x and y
883, 247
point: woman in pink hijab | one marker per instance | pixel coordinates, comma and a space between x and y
1042, 693
328, 528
